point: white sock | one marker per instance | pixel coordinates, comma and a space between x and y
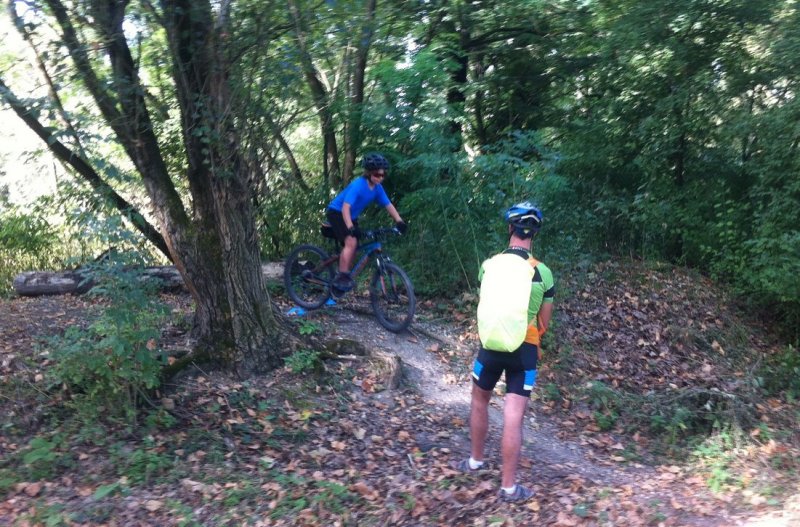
509, 490
474, 464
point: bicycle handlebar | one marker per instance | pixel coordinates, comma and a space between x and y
379, 234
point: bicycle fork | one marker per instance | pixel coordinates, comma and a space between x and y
386, 281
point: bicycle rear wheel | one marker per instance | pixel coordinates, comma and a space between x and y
307, 275
392, 297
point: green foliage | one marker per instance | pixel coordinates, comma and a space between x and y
25, 233
141, 465
716, 455
62, 232
674, 422
27, 241
550, 392
290, 217
40, 457
327, 495
304, 361
672, 137
781, 373
455, 210
606, 403
108, 366
308, 328
48, 515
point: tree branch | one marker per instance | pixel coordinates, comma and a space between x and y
82, 167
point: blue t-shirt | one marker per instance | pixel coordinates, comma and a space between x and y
359, 195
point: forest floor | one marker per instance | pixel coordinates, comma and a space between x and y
638, 357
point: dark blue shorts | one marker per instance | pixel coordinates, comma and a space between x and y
519, 366
338, 225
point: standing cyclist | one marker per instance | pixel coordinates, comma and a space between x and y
345, 208
520, 365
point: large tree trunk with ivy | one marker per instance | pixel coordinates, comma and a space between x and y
234, 317
214, 245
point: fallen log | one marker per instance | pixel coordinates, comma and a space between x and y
78, 282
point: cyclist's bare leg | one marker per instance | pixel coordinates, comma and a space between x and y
513, 412
348, 252
479, 421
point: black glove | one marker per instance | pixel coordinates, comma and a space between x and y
401, 226
355, 232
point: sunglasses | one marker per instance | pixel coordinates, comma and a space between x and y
379, 175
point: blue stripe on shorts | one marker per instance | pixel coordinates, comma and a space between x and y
477, 368
530, 379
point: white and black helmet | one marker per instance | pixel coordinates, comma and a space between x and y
525, 217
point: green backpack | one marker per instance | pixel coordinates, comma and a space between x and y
503, 304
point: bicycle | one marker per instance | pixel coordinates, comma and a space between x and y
309, 272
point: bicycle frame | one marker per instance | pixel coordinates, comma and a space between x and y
367, 250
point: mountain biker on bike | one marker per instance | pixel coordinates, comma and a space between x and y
345, 208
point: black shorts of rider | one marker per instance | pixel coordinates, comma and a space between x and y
519, 367
336, 220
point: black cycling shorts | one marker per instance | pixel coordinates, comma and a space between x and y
519, 366
336, 220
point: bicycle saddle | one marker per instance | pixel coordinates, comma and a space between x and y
327, 231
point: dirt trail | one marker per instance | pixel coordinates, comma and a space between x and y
446, 384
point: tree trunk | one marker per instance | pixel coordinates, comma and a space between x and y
214, 245
353, 124
233, 317
331, 170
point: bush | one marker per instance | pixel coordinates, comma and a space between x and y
26, 242
782, 373
108, 366
304, 361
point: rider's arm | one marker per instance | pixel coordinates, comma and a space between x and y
393, 213
346, 215
543, 317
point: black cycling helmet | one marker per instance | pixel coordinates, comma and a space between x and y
374, 161
525, 217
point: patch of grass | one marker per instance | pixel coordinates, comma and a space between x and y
564, 359
94, 513
551, 392
409, 501
294, 501
334, 496
48, 515
184, 515
655, 515
716, 456
159, 420
240, 494
606, 402
781, 373
309, 328
141, 465
42, 459
303, 361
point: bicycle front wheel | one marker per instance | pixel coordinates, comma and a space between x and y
307, 275
392, 297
